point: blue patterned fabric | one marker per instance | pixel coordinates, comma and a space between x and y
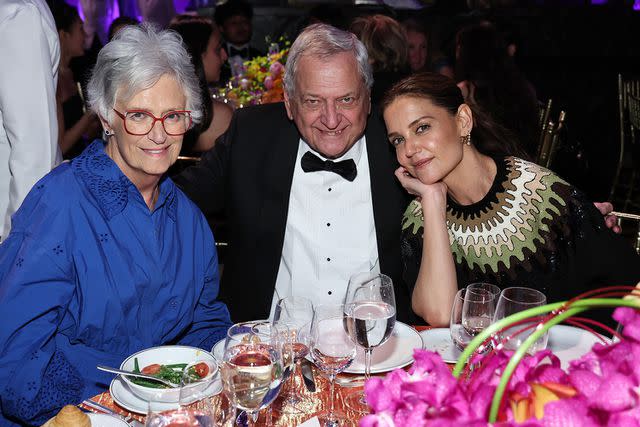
89, 275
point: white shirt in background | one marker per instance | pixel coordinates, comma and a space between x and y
29, 57
330, 233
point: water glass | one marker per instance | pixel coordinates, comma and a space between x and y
333, 351
511, 301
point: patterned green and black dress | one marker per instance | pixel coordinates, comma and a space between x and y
531, 229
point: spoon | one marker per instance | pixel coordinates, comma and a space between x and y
137, 374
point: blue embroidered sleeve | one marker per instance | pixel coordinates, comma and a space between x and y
211, 317
36, 379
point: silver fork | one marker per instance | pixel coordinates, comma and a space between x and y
106, 410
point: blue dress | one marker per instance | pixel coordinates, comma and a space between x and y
89, 275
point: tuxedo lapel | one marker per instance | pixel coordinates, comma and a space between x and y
279, 165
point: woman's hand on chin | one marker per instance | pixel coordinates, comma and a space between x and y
435, 195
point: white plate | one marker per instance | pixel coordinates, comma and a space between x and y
105, 420
123, 396
566, 342
395, 353
570, 343
439, 340
218, 350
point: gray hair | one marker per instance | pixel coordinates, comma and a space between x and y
135, 60
322, 40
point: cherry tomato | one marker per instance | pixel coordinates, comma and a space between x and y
202, 369
151, 369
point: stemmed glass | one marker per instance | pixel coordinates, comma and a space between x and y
472, 312
478, 307
295, 312
192, 409
252, 367
332, 351
513, 300
370, 315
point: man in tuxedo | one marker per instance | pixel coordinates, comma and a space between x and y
234, 18
307, 185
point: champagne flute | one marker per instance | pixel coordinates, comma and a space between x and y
252, 367
513, 300
295, 312
332, 351
370, 315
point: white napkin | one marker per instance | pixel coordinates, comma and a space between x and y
313, 422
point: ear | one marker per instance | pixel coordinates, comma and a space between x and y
465, 119
287, 105
105, 125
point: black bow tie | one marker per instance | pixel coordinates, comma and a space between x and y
345, 168
244, 52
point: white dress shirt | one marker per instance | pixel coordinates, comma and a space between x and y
30, 53
330, 232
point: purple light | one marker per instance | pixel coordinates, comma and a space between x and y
599, 2
636, 5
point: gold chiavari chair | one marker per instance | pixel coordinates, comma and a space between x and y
630, 217
624, 189
550, 132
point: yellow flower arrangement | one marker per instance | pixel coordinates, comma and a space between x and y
261, 79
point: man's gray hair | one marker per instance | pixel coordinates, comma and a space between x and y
322, 41
135, 60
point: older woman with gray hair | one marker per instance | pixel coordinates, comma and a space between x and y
106, 255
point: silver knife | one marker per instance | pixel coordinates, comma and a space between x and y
307, 375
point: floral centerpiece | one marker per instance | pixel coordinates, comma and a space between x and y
506, 388
259, 80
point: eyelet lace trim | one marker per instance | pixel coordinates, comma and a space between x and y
61, 384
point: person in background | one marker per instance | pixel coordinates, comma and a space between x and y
421, 57
234, 18
204, 44
119, 23
77, 125
482, 213
107, 256
30, 52
488, 76
386, 44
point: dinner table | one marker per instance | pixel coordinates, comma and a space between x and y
319, 401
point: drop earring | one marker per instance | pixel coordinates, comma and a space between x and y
466, 139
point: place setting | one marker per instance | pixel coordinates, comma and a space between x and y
189, 373
480, 304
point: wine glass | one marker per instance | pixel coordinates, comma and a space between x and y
478, 307
513, 300
252, 366
370, 315
192, 409
459, 336
332, 351
295, 312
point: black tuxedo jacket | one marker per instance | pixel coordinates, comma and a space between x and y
249, 173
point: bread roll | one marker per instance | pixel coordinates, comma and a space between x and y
69, 416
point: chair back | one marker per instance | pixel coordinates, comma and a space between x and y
550, 132
626, 173
629, 217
